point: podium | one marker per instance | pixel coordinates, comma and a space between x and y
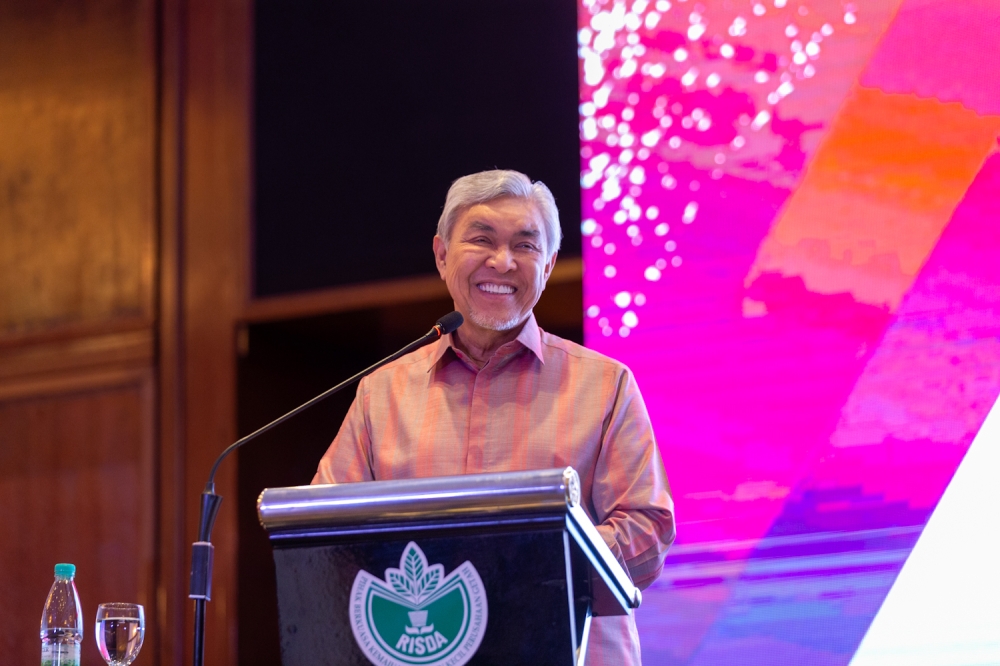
483, 569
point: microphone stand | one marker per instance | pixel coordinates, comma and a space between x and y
202, 550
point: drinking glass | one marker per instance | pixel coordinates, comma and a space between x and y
119, 632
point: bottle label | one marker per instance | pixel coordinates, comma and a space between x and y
61, 654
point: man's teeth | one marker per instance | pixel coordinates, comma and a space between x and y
497, 288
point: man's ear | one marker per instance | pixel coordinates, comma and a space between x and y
440, 254
549, 266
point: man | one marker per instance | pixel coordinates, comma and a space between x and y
499, 394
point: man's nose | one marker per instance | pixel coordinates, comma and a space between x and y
501, 260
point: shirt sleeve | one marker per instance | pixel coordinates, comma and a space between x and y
631, 495
348, 459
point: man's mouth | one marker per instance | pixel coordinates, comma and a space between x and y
491, 288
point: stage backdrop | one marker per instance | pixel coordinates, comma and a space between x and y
791, 221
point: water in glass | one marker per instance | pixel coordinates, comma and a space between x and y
120, 629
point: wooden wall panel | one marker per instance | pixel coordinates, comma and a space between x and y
75, 472
78, 264
77, 112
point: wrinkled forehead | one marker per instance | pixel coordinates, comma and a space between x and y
502, 215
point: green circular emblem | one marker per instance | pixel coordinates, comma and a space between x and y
418, 615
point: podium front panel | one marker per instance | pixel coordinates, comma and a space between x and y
532, 614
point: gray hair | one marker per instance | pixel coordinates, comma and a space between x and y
485, 186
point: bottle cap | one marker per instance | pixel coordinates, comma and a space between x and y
65, 570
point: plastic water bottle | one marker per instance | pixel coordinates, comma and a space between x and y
62, 621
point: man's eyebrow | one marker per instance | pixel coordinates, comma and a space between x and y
481, 226
529, 233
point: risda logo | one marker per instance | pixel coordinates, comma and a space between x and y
417, 615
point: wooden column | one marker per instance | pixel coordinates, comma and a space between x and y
173, 606
216, 216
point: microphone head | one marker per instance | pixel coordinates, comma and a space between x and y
450, 322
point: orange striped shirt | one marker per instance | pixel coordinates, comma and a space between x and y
539, 402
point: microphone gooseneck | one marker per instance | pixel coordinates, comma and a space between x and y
202, 550
446, 324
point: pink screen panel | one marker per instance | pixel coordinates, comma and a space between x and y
791, 236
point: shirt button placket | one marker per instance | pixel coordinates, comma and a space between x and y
478, 415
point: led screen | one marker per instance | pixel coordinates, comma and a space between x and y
791, 221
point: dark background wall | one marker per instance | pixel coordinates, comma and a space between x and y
365, 114
367, 111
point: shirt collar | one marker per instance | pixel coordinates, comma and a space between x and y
530, 338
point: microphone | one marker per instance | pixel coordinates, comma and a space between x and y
202, 549
449, 323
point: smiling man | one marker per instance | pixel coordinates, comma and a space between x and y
500, 394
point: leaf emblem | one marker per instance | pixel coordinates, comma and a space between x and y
430, 580
414, 579
398, 582
414, 564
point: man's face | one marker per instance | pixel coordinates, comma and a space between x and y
495, 263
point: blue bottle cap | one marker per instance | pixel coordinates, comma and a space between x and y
65, 570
